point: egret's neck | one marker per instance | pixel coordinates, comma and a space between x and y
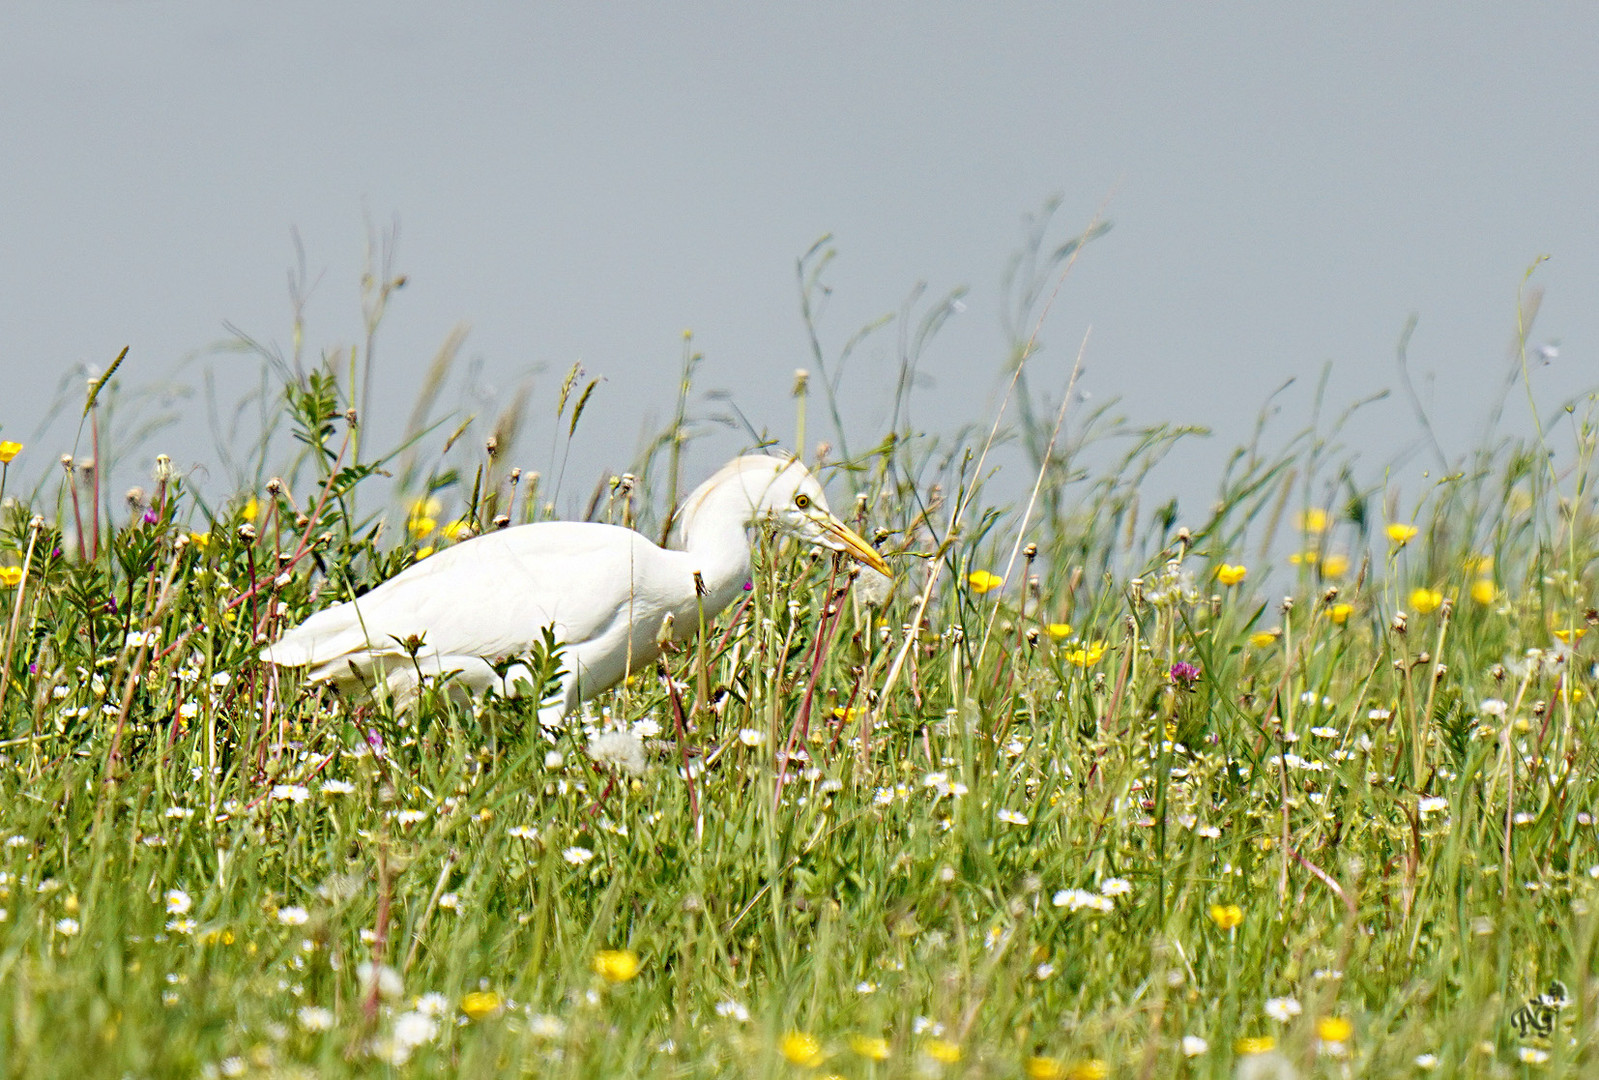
715, 531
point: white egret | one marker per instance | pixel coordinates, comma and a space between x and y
606, 591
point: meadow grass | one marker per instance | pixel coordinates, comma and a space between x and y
1093, 792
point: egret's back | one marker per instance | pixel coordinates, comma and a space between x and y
484, 599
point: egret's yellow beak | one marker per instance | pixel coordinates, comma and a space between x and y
850, 542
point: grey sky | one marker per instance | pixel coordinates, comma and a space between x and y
1288, 184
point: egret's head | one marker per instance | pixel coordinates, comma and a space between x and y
783, 491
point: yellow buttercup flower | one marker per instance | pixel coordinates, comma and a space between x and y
10, 577
1571, 637
1402, 534
1313, 520
1060, 631
1264, 638
1426, 601
453, 529
982, 581
1484, 591
1226, 916
616, 965
870, 1047
1087, 655
252, 508
943, 1051
1305, 558
1334, 1029
420, 526
200, 540
1230, 574
1044, 1068
1339, 613
481, 1003
1335, 564
1260, 1044
9, 450
801, 1049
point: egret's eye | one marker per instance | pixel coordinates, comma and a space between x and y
802, 500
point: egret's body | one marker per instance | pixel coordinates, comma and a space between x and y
606, 592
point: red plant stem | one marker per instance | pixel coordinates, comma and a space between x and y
77, 513
682, 741
824, 640
94, 435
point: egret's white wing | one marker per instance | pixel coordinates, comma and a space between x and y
491, 596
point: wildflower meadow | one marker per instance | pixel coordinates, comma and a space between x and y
1296, 783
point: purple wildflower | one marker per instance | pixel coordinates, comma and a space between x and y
1184, 674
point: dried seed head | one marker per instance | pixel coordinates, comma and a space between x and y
802, 381
350, 417
274, 486
1032, 636
1287, 604
501, 520
1030, 552
247, 532
1399, 622
164, 473
492, 446
1330, 595
135, 497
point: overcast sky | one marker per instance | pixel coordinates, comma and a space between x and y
583, 182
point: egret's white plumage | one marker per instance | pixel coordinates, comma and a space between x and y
604, 589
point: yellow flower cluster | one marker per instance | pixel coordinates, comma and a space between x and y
1230, 574
8, 451
982, 581
1226, 916
801, 1049
1314, 520
1087, 655
1334, 1029
871, 1047
616, 965
481, 1003
1333, 564
10, 577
